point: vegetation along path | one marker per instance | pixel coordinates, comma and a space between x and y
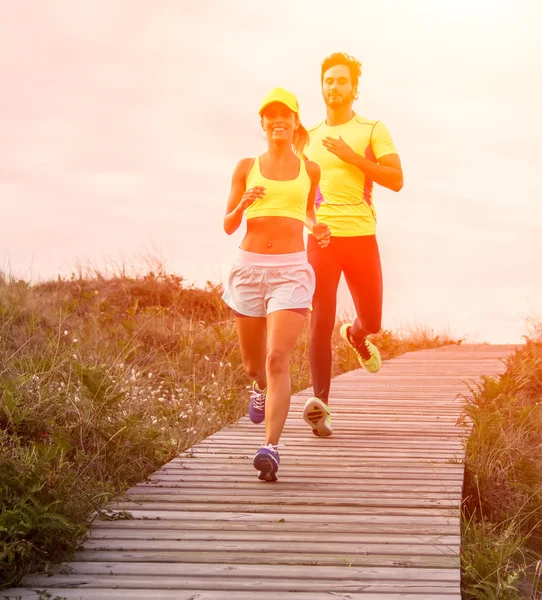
372, 512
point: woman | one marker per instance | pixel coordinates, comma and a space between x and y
271, 284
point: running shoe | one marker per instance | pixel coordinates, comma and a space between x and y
366, 353
256, 408
316, 414
267, 461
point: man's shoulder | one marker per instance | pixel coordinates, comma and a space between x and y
374, 129
358, 120
364, 122
315, 127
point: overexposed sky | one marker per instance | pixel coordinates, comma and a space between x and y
121, 122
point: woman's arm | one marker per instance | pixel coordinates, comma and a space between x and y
319, 230
240, 198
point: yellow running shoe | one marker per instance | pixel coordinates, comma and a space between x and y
367, 354
316, 414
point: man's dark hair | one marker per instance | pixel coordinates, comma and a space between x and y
340, 58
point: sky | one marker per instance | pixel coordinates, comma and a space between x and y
121, 122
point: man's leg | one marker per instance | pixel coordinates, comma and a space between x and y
363, 274
324, 305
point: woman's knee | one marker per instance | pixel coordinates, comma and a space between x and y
253, 369
278, 362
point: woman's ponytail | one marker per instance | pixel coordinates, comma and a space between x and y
301, 139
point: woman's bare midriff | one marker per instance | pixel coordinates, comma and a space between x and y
273, 235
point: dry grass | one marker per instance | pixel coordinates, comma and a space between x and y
502, 529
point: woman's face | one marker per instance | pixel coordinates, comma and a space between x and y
279, 122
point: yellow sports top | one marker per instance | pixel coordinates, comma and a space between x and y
282, 198
345, 197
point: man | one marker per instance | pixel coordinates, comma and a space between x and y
353, 153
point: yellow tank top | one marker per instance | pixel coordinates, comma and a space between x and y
282, 198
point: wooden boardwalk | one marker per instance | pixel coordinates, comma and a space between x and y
371, 513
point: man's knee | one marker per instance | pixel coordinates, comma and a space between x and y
372, 326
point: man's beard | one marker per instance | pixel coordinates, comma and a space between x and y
338, 101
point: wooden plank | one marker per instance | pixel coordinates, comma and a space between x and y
351, 451
374, 537
195, 594
165, 510
259, 535
254, 584
263, 571
354, 517
344, 461
300, 475
252, 546
341, 472
208, 479
182, 491
301, 500
407, 444
306, 559
319, 528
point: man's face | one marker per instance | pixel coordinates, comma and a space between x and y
337, 87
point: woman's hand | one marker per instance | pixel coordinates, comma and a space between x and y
250, 196
322, 233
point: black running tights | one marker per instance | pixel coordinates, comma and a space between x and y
358, 258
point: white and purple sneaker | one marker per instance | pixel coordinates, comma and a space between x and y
256, 408
267, 461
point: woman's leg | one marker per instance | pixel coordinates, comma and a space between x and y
252, 332
283, 328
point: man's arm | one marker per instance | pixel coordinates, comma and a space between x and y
386, 172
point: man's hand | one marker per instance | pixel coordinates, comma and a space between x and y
322, 233
341, 149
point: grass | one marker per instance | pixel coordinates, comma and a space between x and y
102, 381
502, 508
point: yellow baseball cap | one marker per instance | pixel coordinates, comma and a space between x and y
283, 96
